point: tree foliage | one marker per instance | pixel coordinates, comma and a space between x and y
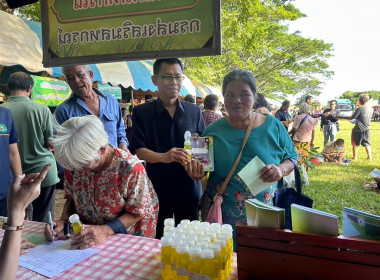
354, 95
255, 38
31, 12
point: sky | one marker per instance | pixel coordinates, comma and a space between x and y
353, 27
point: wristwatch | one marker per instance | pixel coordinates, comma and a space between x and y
6, 227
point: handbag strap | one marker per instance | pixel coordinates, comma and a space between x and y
303, 119
297, 176
248, 131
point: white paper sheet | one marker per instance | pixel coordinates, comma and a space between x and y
51, 259
375, 173
250, 175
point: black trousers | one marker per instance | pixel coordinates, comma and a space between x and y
44, 203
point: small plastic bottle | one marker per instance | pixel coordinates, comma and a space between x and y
207, 271
217, 261
187, 144
166, 271
76, 223
195, 262
182, 261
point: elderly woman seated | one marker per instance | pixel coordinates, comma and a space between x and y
107, 187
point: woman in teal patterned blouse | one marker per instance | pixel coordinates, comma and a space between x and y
268, 140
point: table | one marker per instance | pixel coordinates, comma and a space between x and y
121, 256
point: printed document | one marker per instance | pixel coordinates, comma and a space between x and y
250, 175
50, 259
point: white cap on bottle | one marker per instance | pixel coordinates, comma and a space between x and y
74, 218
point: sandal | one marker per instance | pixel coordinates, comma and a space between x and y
370, 185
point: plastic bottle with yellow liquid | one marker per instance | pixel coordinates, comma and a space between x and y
76, 223
166, 271
195, 263
187, 144
207, 271
217, 261
182, 261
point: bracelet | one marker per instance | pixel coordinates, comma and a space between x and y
15, 228
117, 226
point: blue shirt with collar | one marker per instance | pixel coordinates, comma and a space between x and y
109, 114
8, 136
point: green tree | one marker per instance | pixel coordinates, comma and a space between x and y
255, 38
31, 12
354, 96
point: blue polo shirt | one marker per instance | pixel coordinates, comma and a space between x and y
282, 115
109, 114
8, 135
154, 129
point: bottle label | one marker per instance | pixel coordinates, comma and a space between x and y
182, 271
194, 276
205, 277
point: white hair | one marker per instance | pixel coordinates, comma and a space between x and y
78, 141
66, 69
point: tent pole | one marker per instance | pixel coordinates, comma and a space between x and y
132, 101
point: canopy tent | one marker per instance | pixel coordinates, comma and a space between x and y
203, 90
20, 50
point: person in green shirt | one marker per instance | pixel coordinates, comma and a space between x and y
34, 124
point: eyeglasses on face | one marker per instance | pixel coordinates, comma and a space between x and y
178, 78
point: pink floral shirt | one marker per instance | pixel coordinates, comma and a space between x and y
123, 187
304, 132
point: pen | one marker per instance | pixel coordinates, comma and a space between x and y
51, 226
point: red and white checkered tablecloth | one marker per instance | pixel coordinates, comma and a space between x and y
121, 257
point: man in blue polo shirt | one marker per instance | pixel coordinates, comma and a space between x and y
9, 156
86, 100
158, 138
282, 114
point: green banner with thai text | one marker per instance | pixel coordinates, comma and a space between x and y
111, 90
77, 31
48, 91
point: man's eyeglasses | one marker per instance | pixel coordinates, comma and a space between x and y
178, 78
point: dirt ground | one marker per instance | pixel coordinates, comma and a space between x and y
59, 202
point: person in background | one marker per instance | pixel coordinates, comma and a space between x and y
334, 151
282, 114
34, 124
223, 111
10, 163
148, 98
86, 100
23, 191
129, 123
261, 105
361, 131
268, 140
158, 138
189, 98
303, 132
306, 106
106, 186
329, 122
211, 103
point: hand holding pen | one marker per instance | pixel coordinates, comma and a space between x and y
51, 227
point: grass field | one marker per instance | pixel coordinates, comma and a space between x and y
335, 186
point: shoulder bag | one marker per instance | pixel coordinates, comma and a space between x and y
211, 211
284, 197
